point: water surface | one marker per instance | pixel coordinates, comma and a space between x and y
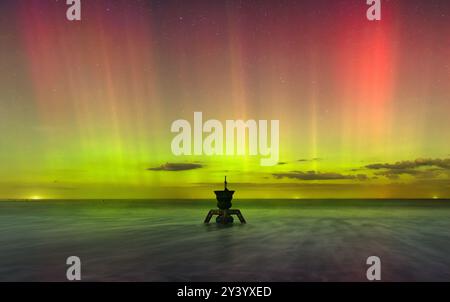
284, 240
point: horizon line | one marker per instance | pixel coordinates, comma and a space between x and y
204, 199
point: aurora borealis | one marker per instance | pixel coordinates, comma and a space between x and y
86, 107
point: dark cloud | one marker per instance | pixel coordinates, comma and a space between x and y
177, 167
440, 163
313, 175
419, 168
303, 160
424, 174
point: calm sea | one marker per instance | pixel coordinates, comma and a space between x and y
284, 240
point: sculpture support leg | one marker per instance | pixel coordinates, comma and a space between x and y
241, 218
209, 216
225, 214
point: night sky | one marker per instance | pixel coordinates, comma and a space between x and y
86, 107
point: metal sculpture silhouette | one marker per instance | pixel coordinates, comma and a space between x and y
224, 213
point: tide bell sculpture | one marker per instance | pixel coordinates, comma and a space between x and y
224, 213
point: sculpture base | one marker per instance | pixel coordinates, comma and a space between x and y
225, 216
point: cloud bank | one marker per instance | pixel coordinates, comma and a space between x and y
313, 175
419, 168
174, 167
